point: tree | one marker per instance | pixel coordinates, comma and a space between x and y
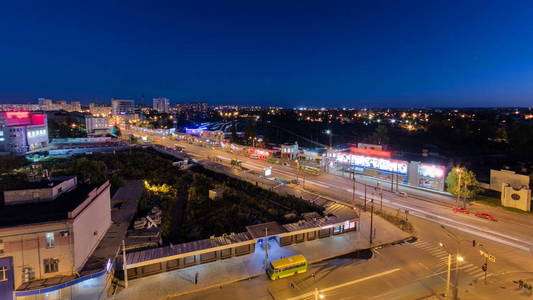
10, 162
89, 170
380, 136
249, 130
233, 131
469, 184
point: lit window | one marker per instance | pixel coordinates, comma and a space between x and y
51, 265
50, 240
3, 273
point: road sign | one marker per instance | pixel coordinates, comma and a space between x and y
490, 257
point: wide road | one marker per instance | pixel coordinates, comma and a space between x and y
408, 271
512, 229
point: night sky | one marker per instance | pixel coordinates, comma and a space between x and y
289, 53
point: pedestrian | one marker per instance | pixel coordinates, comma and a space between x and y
313, 275
520, 283
196, 278
292, 284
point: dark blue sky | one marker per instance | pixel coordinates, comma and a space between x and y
290, 53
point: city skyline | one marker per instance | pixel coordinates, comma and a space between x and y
379, 54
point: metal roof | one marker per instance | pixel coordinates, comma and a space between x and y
149, 254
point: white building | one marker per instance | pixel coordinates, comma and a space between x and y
161, 104
49, 240
22, 131
96, 126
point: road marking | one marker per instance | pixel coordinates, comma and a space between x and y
310, 294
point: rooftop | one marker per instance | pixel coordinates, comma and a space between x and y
259, 230
42, 184
58, 209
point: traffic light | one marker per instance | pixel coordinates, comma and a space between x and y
484, 267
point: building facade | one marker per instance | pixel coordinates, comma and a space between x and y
96, 126
22, 131
54, 239
161, 104
122, 107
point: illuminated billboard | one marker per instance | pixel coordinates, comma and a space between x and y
431, 171
371, 152
376, 163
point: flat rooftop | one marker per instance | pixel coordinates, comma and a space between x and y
42, 184
55, 210
258, 231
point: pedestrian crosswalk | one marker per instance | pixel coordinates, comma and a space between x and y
440, 253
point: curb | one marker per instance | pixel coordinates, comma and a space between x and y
207, 287
257, 275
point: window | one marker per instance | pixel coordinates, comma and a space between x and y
51, 265
3, 274
2, 247
50, 240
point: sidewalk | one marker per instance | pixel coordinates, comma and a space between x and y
127, 196
223, 272
500, 286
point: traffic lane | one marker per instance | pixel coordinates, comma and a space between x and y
509, 260
413, 275
409, 204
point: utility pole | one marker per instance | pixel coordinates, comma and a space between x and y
266, 248
380, 199
365, 196
464, 194
458, 187
124, 264
456, 284
448, 275
353, 189
371, 221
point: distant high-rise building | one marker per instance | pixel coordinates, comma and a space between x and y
161, 104
22, 131
122, 107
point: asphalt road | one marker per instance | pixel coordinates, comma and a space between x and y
410, 271
512, 229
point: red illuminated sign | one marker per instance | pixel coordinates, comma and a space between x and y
21, 118
371, 152
17, 114
37, 119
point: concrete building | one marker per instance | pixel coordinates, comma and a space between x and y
122, 107
22, 131
100, 110
45, 104
50, 240
161, 104
96, 126
40, 191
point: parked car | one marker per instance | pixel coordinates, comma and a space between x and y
461, 210
485, 216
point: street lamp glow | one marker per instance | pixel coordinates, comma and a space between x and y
321, 296
328, 131
460, 258
441, 244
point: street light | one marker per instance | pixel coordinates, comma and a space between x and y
458, 259
460, 172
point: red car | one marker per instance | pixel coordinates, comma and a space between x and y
485, 216
461, 210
